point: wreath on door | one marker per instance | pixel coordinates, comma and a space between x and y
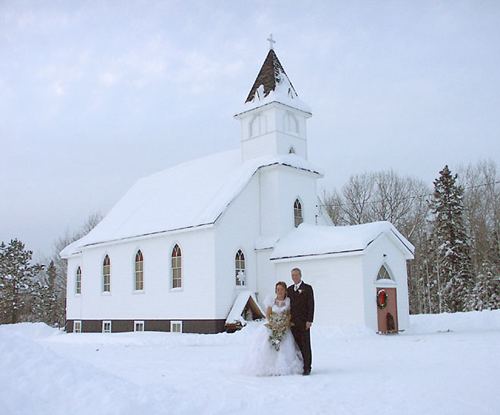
382, 297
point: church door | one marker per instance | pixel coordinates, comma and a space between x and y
387, 310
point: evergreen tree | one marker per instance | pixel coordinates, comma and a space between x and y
452, 265
486, 292
17, 277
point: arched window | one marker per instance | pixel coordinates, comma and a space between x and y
176, 267
383, 274
297, 213
291, 150
291, 123
139, 271
239, 267
106, 274
258, 125
78, 281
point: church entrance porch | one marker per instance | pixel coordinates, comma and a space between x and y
387, 310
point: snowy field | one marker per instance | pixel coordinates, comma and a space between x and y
445, 364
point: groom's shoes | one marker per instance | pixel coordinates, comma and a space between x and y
306, 372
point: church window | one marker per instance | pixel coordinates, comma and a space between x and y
139, 271
291, 151
383, 274
78, 288
297, 213
240, 268
106, 326
106, 274
176, 267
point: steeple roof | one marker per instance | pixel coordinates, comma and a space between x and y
270, 76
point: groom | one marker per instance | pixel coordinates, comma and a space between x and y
302, 310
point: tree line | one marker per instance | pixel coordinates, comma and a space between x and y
454, 226
36, 291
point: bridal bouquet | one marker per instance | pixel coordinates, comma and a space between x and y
278, 324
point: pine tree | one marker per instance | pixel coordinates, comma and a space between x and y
51, 295
17, 277
486, 292
452, 265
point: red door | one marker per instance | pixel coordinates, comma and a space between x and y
387, 310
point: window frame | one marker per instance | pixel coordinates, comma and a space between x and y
77, 323
177, 323
239, 261
104, 322
176, 268
298, 219
78, 281
140, 323
106, 266
139, 273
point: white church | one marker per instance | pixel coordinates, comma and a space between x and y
202, 260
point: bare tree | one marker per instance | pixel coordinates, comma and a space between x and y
61, 265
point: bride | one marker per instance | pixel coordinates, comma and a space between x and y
274, 351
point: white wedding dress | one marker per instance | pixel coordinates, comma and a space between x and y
264, 360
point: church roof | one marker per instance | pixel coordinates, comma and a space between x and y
310, 240
183, 197
270, 75
273, 85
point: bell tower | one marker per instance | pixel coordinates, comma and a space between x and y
273, 118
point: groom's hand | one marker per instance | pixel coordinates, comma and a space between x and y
308, 325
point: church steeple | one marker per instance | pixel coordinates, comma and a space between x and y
270, 76
273, 118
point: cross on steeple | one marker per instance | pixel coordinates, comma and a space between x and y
271, 41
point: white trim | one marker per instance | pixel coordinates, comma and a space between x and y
75, 323
152, 235
171, 270
138, 322
78, 267
244, 269
308, 257
104, 325
103, 291
175, 323
134, 271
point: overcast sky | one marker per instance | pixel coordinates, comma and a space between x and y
96, 94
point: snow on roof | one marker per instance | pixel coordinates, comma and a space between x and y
311, 240
188, 195
273, 85
239, 305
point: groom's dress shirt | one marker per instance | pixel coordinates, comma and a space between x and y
297, 286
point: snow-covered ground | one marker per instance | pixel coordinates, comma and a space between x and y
445, 364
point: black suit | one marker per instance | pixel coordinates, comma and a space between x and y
302, 310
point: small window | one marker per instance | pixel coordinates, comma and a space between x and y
383, 274
138, 325
239, 265
291, 151
78, 288
139, 271
176, 267
106, 274
77, 326
297, 213
106, 326
176, 326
